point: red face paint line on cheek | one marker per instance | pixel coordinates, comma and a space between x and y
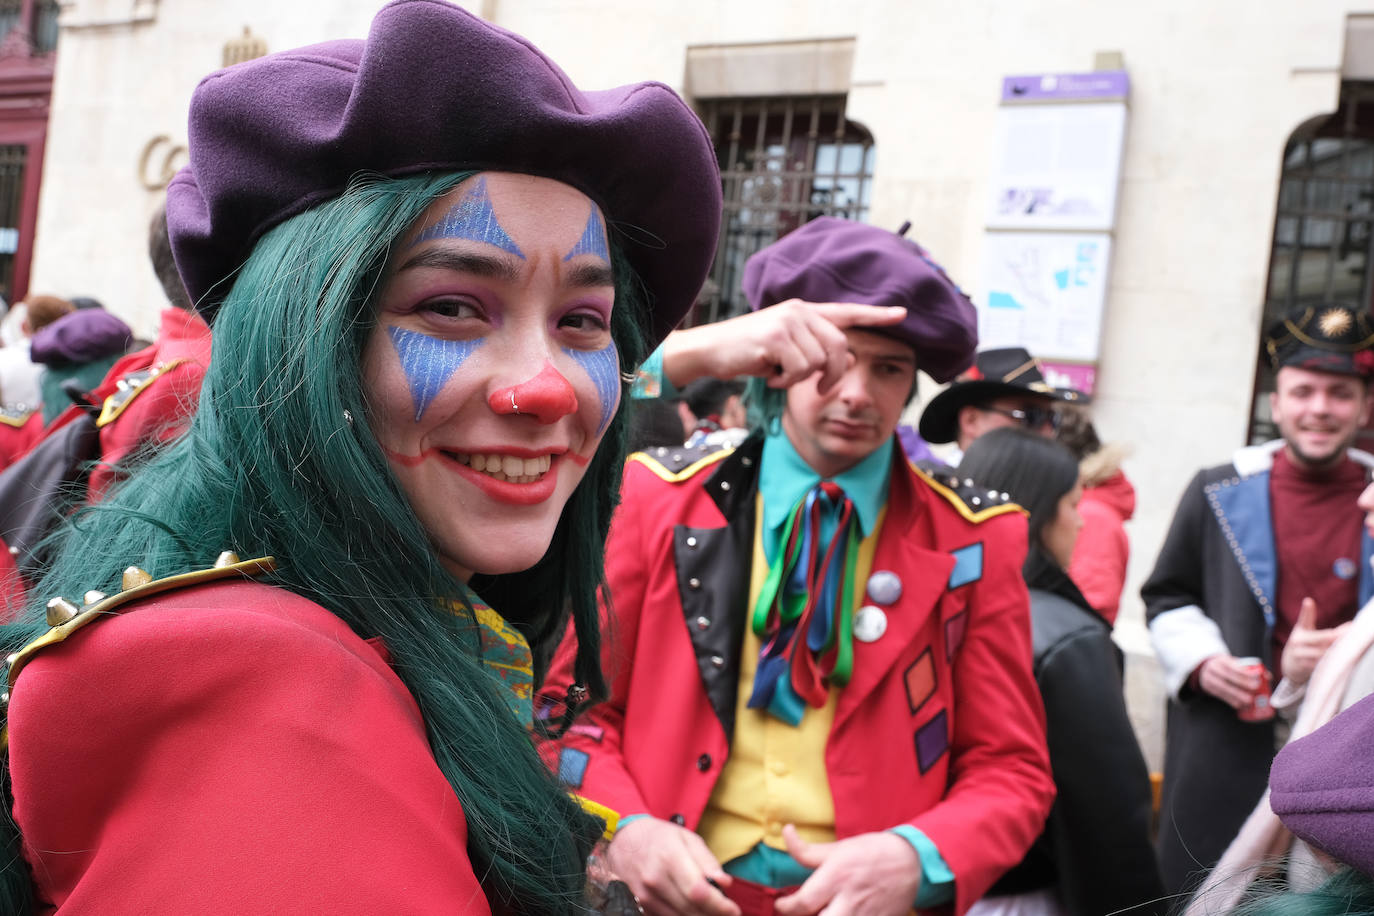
409, 461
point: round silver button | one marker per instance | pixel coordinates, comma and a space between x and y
869, 624
884, 587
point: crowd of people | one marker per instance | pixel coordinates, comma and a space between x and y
423, 564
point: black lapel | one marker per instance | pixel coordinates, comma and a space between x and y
713, 568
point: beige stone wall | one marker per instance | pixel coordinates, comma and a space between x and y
1216, 89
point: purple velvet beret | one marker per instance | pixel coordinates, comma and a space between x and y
1322, 787
435, 88
79, 337
838, 260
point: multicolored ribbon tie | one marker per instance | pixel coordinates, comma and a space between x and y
809, 591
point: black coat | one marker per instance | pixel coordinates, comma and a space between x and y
1216, 766
1096, 849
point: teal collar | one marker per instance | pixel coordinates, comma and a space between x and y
785, 477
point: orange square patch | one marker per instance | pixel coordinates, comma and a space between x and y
920, 681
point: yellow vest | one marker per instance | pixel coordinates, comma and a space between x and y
775, 773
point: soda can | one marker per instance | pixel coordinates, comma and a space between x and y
1259, 708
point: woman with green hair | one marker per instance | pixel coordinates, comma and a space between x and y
429, 262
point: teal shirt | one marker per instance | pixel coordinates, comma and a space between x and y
785, 477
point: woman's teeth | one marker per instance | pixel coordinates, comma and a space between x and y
508, 467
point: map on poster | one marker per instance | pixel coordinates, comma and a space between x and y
1044, 292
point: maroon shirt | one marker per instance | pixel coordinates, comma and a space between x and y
1317, 536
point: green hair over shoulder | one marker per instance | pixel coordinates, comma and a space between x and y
271, 465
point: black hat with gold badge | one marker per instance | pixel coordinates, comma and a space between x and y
1334, 337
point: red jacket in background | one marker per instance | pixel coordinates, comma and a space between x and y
159, 409
146, 399
1098, 566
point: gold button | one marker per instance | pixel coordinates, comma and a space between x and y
779, 768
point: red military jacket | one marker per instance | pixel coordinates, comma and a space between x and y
228, 748
941, 726
19, 430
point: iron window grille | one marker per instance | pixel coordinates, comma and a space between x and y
783, 162
1322, 227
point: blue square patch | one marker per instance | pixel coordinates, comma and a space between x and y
968, 565
572, 767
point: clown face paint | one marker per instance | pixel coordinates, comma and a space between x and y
491, 376
428, 362
473, 218
593, 240
603, 368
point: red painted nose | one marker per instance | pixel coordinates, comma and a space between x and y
548, 397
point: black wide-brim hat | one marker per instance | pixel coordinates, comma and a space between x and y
434, 88
997, 373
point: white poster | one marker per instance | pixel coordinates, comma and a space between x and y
1057, 166
1045, 292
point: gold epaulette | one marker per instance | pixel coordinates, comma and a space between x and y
129, 387
16, 416
678, 464
977, 504
65, 617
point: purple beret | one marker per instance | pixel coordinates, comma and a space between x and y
79, 337
1322, 787
435, 88
838, 260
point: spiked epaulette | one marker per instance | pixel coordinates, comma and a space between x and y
975, 503
131, 386
65, 617
681, 463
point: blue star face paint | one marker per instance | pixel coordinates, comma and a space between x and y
429, 362
593, 240
603, 368
472, 218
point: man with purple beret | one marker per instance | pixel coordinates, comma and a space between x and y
822, 694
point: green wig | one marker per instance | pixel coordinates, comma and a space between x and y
271, 465
1346, 893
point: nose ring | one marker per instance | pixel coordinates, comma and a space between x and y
513, 406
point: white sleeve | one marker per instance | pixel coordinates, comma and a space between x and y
1183, 639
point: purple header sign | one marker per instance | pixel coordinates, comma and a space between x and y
1098, 86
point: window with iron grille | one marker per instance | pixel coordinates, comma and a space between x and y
12, 161
1322, 228
38, 16
783, 161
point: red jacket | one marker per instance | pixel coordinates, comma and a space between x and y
230, 748
161, 393
941, 726
1098, 566
19, 430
